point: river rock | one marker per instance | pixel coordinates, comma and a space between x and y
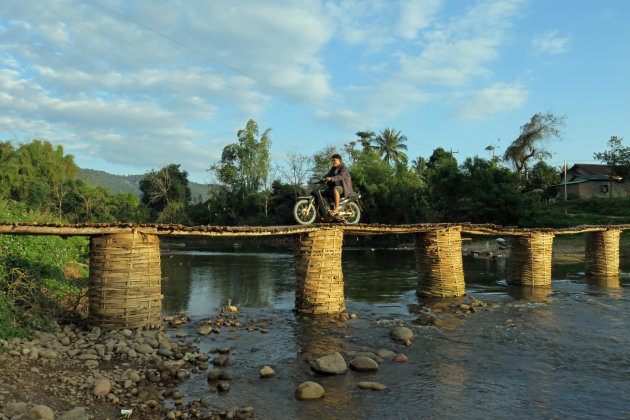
102, 387
78, 413
399, 358
173, 366
214, 374
144, 349
14, 409
133, 376
331, 364
401, 334
309, 390
372, 385
385, 354
267, 372
364, 364
204, 330
223, 361
39, 412
223, 386
369, 355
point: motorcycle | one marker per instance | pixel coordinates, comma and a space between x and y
308, 207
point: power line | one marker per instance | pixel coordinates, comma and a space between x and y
221, 63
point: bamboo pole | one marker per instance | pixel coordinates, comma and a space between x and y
319, 288
530, 260
439, 263
125, 281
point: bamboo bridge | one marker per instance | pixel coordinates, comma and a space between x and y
124, 288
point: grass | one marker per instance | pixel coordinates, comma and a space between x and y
39, 275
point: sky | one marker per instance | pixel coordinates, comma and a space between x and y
130, 86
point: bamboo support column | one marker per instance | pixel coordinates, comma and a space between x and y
439, 263
125, 281
530, 260
602, 253
318, 272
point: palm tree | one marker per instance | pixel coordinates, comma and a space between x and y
390, 145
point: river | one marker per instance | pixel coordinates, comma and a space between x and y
561, 353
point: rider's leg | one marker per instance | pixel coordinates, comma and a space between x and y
337, 197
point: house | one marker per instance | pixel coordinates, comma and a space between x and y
585, 180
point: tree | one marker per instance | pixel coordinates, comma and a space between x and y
245, 166
244, 172
438, 157
167, 186
542, 176
617, 156
390, 145
529, 144
297, 170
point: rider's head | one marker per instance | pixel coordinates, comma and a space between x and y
336, 159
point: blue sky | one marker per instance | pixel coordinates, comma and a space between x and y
128, 86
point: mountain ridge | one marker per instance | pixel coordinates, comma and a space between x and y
131, 184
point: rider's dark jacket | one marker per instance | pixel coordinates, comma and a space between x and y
341, 174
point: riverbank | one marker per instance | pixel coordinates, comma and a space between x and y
81, 374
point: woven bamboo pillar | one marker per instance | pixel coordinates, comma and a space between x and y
439, 263
530, 259
125, 281
602, 253
318, 272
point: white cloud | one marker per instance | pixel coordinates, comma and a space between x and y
416, 15
497, 98
551, 43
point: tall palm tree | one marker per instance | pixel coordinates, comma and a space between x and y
390, 144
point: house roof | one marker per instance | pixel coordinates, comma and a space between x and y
581, 172
591, 168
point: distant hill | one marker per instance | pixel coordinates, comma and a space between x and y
131, 184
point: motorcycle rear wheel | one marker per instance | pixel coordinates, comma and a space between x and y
354, 214
304, 212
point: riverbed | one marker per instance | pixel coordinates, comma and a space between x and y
561, 352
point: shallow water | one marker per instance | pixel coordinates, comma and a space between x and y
564, 352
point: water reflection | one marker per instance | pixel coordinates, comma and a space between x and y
605, 286
530, 293
200, 282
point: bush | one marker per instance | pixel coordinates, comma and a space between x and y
39, 275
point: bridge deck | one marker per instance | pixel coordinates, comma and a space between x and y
94, 229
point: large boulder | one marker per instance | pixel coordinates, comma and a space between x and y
330, 364
39, 412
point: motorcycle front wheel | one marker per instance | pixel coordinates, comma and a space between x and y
304, 212
353, 214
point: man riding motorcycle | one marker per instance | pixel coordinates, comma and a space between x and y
338, 181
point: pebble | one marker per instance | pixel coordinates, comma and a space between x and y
332, 364
399, 358
39, 412
78, 413
364, 364
372, 385
309, 390
267, 372
401, 334
102, 387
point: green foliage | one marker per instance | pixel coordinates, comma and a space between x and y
390, 145
243, 172
167, 187
36, 273
591, 211
35, 173
617, 155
